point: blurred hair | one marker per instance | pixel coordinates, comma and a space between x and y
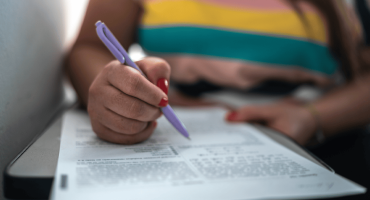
345, 44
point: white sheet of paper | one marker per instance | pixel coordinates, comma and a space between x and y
222, 161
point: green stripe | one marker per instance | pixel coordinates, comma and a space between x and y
236, 45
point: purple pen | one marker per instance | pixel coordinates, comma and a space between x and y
119, 52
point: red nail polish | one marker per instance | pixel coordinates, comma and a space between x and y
163, 84
163, 102
154, 124
232, 116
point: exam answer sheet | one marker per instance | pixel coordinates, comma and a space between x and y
222, 161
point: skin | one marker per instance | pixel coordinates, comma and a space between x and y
123, 105
342, 109
241, 75
125, 111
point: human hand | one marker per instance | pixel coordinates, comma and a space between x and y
289, 118
231, 73
123, 105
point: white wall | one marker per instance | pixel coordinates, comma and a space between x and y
34, 34
74, 13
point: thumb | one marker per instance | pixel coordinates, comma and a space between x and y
249, 113
157, 71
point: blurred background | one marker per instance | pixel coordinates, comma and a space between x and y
34, 37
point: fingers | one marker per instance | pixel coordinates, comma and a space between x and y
224, 72
250, 113
128, 106
300, 76
155, 69
261, 73
118, 123
181, 70
109, 135
122, 102
292, 120
129, 81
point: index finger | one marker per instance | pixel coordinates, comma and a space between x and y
155, 69
131, 82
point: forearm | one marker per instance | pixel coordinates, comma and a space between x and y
89, 55
84, 63
345, 107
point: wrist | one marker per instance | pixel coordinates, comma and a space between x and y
309, 124
318, 134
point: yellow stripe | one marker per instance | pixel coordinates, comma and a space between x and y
286, 23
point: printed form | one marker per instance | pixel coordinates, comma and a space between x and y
222, 161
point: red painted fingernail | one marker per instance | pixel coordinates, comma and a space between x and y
163, 84
154, 124
163, 102
232, 116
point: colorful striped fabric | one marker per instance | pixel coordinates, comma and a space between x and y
264, 31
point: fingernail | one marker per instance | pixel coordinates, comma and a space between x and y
232, 116
163, 84
154, 124
163, 102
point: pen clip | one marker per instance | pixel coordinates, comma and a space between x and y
102, 31
114, 46
119, 52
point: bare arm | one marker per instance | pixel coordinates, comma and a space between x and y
89, 55
346, 107
122, 104
342, 109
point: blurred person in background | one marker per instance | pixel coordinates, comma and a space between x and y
269, 46
215, 44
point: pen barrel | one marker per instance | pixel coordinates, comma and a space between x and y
120, 53
172, 118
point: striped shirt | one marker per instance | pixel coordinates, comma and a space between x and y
268, 32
